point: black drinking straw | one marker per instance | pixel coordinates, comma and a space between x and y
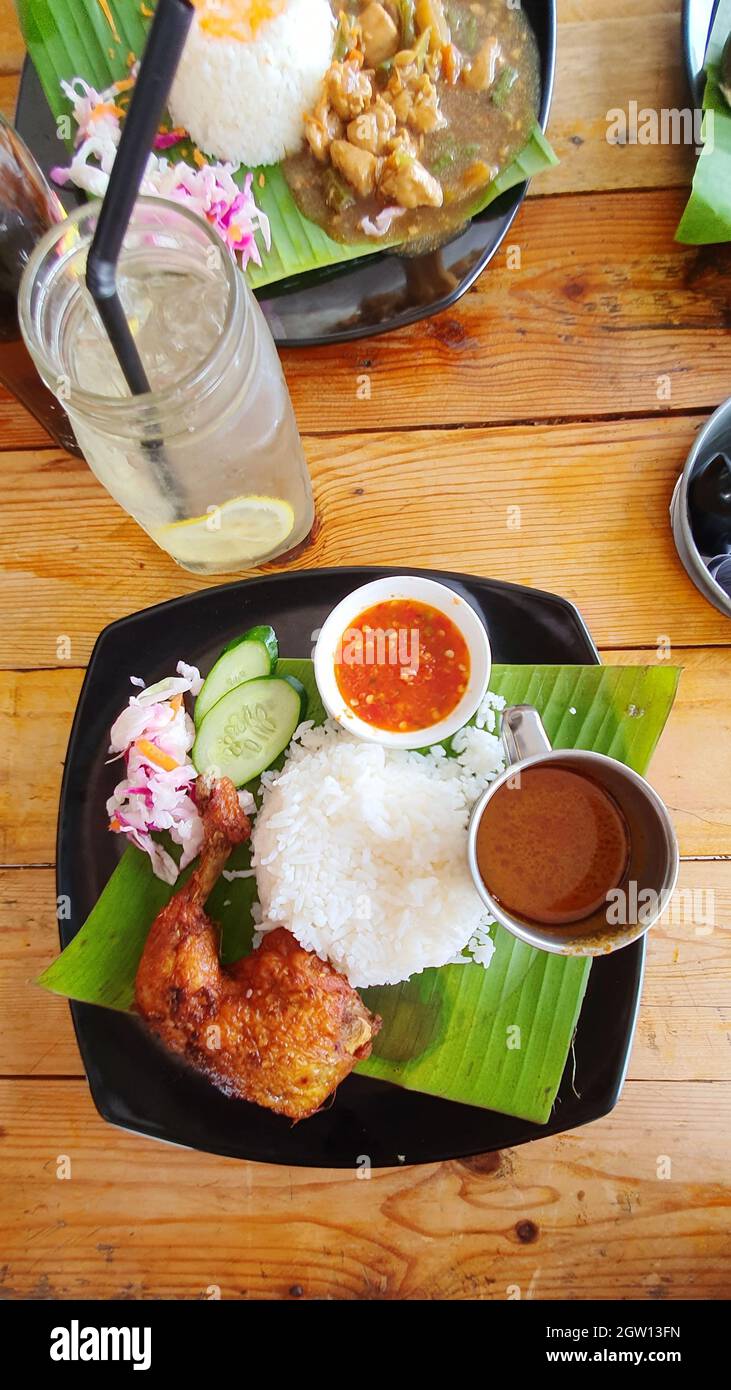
159, 62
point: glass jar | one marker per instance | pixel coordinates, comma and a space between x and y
28, 207
210, 461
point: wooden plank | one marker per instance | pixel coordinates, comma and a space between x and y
36, 1033
695, 751
12, 48
611, 54
8, 95
683, 1031
605, 314
684, 1027
35, 719
20, 430
691, 768
604, 303
592, 507
586, 1214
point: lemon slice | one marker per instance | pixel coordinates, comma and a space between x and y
240, 532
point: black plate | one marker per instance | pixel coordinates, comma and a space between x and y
697, 21
373, 295
137, 1085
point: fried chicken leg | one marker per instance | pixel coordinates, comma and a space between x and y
280, 1027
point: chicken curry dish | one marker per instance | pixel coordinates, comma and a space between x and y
425, 102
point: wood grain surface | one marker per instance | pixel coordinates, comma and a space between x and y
584, 1213
638, 329
592, 523
569, 385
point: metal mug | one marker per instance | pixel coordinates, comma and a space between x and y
713, 438
652, 870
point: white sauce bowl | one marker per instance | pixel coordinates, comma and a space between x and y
446, 601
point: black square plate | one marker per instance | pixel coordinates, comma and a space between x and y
697, 22
135, 1083
370, 295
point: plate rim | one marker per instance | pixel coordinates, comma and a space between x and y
282, 576
695, 78
104, 1099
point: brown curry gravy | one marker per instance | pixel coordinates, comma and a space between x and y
477, 131
551, 844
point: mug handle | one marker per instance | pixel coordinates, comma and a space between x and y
523, 733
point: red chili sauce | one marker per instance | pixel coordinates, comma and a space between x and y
402, 665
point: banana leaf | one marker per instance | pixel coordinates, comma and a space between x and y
707, 215
70, 38
497, 1038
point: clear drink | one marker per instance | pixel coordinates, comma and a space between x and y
210, 462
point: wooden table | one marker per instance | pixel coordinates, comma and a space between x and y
547, 388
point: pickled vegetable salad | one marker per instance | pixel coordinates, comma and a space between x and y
208, 189
245, 716
154, 735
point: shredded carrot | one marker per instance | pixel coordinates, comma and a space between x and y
175, 703
131, 59
199, 159
125, 84
261, 180
450, 63
114, 823
228, 19
106, 108
146, 12
104, 7
155, 755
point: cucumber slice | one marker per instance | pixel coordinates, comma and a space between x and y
254, 654
249, 727
261, 633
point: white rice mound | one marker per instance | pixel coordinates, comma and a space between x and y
244, 102
361, 853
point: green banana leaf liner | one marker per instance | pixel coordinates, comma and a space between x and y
707, 215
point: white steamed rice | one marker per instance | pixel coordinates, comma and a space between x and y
244, 102
361, 851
